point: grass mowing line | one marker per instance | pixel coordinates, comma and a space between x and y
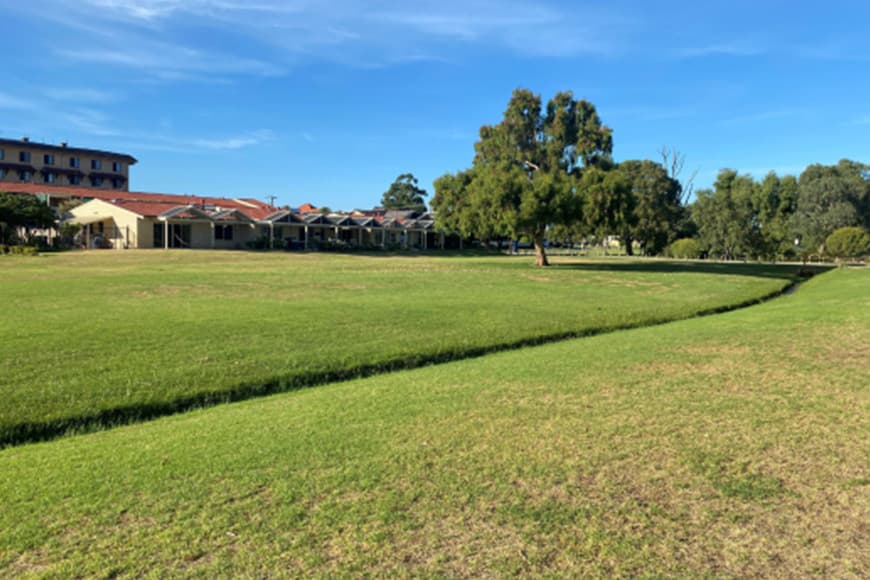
24, 433
91, 333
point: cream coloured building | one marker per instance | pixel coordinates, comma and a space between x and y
27, 162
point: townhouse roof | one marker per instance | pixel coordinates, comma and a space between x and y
144, 200
224, 209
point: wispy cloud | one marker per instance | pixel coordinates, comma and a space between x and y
80, 95
233, 142
13, 103
180, 40
170, 61
90, 122
44, 117
138, 9
734, 49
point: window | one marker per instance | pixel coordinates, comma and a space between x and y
24, 156
75, 180
48, 159
117, 183
96, 181
96, 164
50, 178
74, 162
2, 174
116, 167
222, 232
2, 155
24, 175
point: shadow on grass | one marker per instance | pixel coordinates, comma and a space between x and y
432, 253
779, 271
34, 432
785, 271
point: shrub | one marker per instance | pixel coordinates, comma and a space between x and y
335, 246
23, 250
849, 242
264, 243
684, 249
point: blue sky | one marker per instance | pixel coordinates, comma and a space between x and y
328, 102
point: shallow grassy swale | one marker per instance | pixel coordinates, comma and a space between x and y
731, 445
101, 337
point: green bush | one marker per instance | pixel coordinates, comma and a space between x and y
849, 242
23, 250
264, 243
3, 249
684, 249
335, 246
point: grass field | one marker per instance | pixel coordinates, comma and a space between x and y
109, 337
732, 445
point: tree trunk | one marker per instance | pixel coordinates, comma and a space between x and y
540, 252
626, 241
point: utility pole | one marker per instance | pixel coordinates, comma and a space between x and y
272, 199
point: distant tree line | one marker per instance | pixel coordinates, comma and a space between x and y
547, 174
780, 217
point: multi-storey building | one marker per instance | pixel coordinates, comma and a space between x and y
25, 161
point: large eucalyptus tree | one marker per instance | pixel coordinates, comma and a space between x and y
527, 171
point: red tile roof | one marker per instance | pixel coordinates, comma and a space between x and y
145, 204
145, 208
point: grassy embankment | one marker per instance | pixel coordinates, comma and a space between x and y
734, 445
106, 338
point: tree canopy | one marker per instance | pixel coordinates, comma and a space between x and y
23, 211
405, 194
653, 207
724, 215
527, 171
831, 197
742, 217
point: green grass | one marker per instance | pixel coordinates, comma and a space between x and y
732, 445
109, 337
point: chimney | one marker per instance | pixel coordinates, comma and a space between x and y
63, 144
26, 139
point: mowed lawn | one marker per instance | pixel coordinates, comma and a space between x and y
732, 445
109, 336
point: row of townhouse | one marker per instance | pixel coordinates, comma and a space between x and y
125, 220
